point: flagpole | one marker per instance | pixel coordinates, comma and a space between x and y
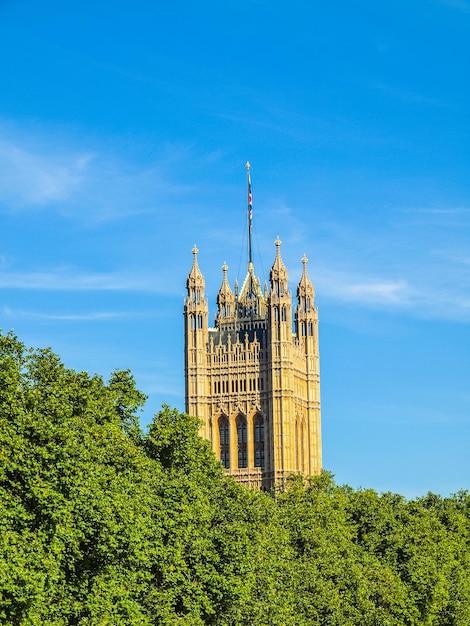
250, 211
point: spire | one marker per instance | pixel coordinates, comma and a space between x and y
195, 278
305, 302
225, 299
305, 286
225, 281
278, 275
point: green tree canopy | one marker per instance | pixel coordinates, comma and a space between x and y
102, 524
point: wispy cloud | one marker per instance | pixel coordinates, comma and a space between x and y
406, 95
64, 176
461, 5
370, 291
34, 179
72, 317
444, 217
422, 299
65, 279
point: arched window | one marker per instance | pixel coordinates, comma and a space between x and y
192, 322
300, 435
224, 438
242, 441
259, 440
301, 450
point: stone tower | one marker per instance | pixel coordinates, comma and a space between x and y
252, 380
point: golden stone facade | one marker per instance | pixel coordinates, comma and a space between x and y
251, 380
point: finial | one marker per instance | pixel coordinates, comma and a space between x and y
278, 242
195, 250
304, 259
247, 165
225, 267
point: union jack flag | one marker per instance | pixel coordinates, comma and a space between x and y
250, 199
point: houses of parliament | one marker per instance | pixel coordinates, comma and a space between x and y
253, 379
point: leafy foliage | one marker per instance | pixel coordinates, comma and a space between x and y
101, 524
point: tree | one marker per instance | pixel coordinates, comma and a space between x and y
101, 524
76, 494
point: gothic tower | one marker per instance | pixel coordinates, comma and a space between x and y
252, 380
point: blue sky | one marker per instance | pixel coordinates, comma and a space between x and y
124, 134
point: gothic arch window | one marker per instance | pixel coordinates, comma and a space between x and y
258, 427
310, 329
283, 314
192, 322
300, 443
224, 440
242, 441
297, 442
303, 329
199, 321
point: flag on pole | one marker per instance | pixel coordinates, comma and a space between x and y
250, 210
250, 198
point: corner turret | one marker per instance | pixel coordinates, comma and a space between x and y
306, 317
